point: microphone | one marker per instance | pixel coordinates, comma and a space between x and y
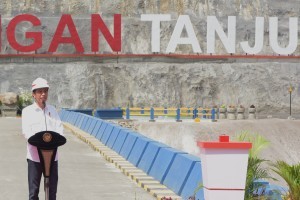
44, 104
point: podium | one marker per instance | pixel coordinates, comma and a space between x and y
47, 143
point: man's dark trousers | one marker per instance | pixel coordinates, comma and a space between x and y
35, 171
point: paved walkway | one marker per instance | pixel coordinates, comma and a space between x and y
83, 173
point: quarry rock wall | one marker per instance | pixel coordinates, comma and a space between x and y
94, 84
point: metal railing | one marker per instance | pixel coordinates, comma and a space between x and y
177, 113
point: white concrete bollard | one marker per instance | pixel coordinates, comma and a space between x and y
224, 168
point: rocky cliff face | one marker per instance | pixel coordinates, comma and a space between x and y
94, 85
87, 84
136, 34
132, 8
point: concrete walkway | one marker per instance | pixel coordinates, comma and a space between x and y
83, 173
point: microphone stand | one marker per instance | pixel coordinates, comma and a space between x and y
47, 157
43, 154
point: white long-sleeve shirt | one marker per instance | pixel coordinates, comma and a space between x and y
34, 120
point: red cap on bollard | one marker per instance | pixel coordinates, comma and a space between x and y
224, 138
224, 143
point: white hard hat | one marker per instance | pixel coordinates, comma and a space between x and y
39, 83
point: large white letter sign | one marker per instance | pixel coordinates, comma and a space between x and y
155, 33
259, 38
183, 22
293, 36
213, 26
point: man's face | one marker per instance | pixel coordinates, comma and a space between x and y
40, 95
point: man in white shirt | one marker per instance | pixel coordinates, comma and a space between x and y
35, 118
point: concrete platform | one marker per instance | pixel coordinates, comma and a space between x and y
83, 173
